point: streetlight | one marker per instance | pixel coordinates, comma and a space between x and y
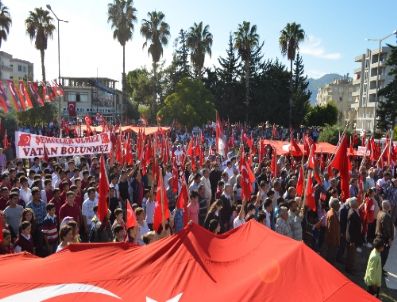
59, 56
377, 72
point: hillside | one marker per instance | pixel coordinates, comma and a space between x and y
315, 84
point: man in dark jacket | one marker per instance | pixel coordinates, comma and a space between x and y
385, 229
353, 233
343, 212
226, 211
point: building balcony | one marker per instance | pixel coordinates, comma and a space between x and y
356, 93
358, 70
356, 81
359, 58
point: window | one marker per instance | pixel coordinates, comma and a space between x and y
24, 68
19, 67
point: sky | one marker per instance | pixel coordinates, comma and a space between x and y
336, 32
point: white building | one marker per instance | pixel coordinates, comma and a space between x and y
15, 69
90, 96
372, 68
338, 92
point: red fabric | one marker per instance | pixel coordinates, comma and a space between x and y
309, 192
175, 176
131, 218
311, 160
193, 265
182, 201
340, 162
300, 182
294, 148
273, 164
161, 211
103, 191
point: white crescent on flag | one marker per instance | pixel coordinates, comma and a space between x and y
48, 292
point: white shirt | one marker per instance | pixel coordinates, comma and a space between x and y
150, 206
267, 219
370, 182
167, 177
143, 229
43, 195
25, 195
88, 209
207, 186
237, 222
229, 171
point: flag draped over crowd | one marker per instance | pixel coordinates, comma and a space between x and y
22, 96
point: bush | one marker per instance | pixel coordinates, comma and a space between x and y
330, 134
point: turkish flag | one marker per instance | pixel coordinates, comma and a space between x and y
183, 200
103, 191
161, 211
309, 193
311, 164
131, 218
72, 108
300, 182
273, 164
341, 163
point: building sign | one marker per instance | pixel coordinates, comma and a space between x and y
31, 145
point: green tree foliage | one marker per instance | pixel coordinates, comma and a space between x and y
199, 41
191, 104
300, 93
387, 108
122, 16
246, 41
331, 134
140, 86
5, 22
322, 115
38, 115
39, 27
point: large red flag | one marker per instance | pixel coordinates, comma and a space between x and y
18, 104
311, 162
25, 95
131, 218
300, 182
103, 191
294, 149
309, 192
340, 162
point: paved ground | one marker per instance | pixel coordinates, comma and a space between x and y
387, 295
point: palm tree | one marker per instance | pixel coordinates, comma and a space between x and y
156, 31
5, 22
246, 40
199, 40
122, 16
39, 27
290, 37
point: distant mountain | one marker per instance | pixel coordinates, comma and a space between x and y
315, 84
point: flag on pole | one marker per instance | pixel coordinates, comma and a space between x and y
340, 162
220, 141
131, 220
309, 192
301, 182
103, 191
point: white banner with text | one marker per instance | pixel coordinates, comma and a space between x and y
29, 145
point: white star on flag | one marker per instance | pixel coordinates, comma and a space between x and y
174, 299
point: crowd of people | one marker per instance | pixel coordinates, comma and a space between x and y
45, 206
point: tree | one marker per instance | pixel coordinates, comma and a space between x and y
37, 116
300, 93
5, 22
122, 16
199, 41
225, 85
39, 27
330, 134
322, 115
290, 37
245, 40
191, 104
387, 108
156, 31
140, 86
181, 56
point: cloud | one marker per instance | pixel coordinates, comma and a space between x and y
313, 47
315, 74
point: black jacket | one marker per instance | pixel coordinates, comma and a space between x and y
353, 230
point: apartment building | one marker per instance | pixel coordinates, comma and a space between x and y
15, 69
